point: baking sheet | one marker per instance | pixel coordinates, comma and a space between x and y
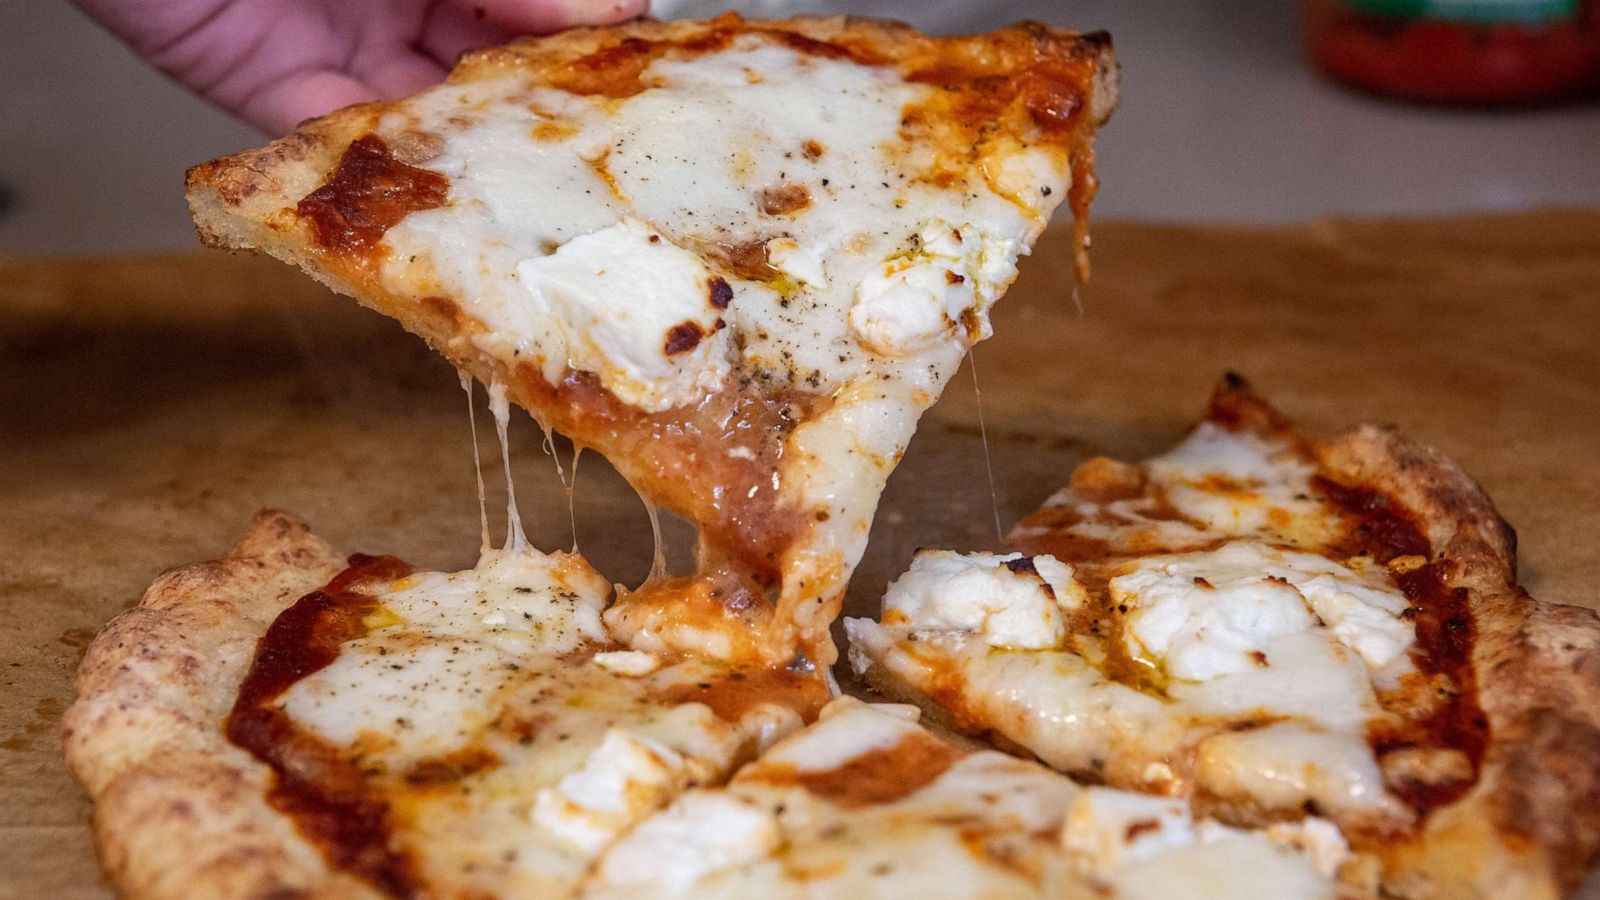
149, 405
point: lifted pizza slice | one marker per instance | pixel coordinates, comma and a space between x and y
738, 258
1278, 627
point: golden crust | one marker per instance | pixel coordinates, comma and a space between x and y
178, 810
1531, 825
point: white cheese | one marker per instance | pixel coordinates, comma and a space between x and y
635, 310
1238, 483
1010, 600
1317, 839
1239, 866
700, 833
1107, 829
1286, 766
942, 287
633, 663
623, 779
1206, 614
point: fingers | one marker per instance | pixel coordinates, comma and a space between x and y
545, 16
282, 104
450, 30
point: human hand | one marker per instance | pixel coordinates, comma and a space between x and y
277, 62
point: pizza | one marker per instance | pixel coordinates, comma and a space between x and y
285, 721
1278, 629
737, 258
740, 258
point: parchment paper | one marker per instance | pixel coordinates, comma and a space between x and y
148, 406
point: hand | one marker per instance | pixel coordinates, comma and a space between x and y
277, 62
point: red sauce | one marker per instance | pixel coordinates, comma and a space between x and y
327, 795
734, 694
367, 194
877, 776
1452, 718
679, 457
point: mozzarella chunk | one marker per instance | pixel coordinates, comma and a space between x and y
1010, 600
1317, 839
1367, 619
624, 778
700, 833
1108, 829
635, 310
802, 262
943, 287
1203, 615
634, 663
1206, 614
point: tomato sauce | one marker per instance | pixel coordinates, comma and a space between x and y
329, 798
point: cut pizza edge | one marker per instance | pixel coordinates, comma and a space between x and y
1529, 825
800, 552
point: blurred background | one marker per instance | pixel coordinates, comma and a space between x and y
1222, 119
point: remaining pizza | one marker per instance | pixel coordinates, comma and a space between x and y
738, 258
281, 722
1276, 627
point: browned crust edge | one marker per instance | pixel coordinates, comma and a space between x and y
178, 810
1531, 826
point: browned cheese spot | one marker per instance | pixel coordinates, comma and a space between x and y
683, 337
785, 199
368, 193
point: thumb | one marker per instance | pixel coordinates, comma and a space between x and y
545, 16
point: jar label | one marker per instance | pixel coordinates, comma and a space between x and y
1473, 10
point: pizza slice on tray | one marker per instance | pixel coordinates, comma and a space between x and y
1281, 629
738, 258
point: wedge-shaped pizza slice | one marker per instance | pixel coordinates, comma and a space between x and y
283, 722
1277, 627
738, 258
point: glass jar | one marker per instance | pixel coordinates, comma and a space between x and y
1475, 52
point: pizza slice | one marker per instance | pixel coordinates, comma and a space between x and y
284, 722
1277, 627
866, 803
738, 258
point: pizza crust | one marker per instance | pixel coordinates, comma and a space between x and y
1531, 825
178, 810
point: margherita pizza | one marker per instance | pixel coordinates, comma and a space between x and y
740, 259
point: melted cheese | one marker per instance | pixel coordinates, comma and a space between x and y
860, 287
503, 682
637, 311
1010, 600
